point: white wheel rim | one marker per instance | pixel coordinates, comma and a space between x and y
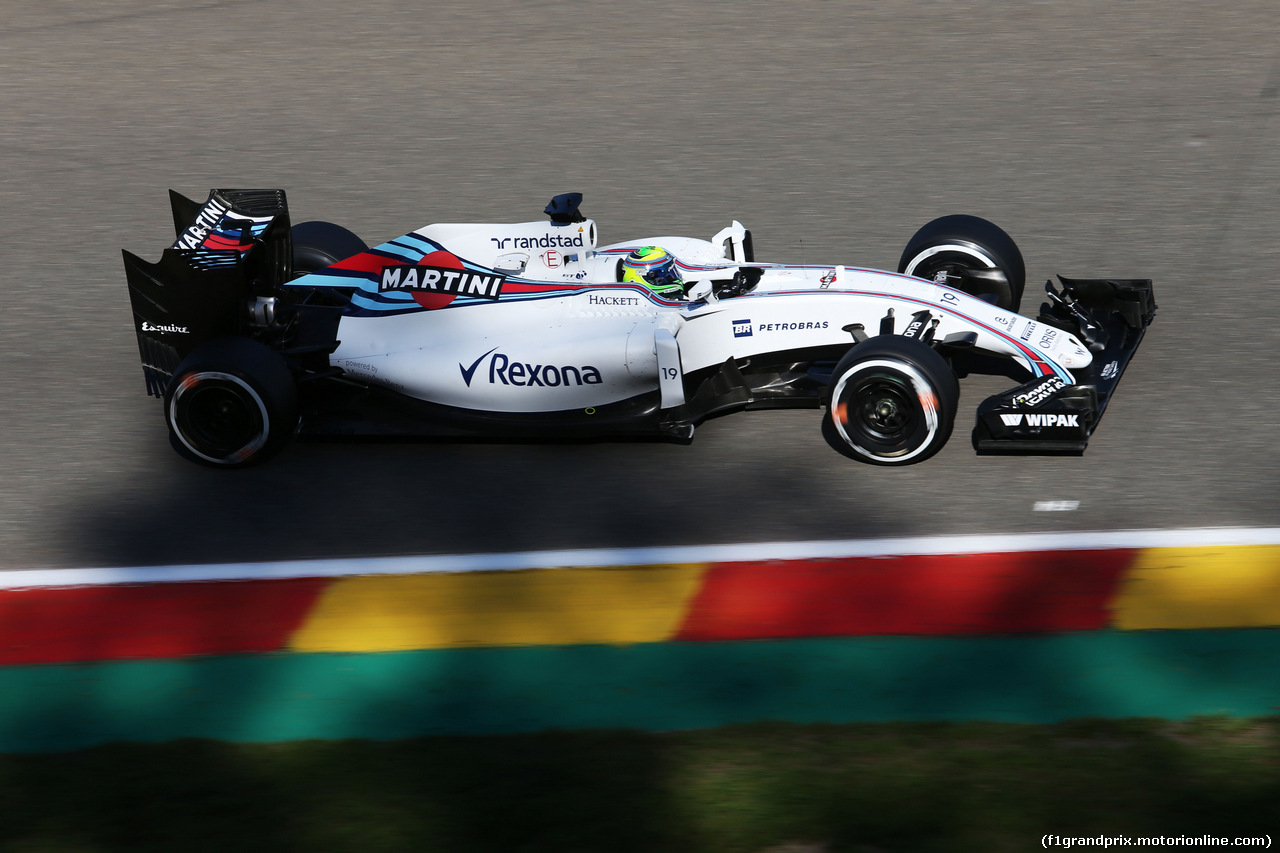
986, 261
923, 391
244, 453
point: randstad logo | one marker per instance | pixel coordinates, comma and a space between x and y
545, 241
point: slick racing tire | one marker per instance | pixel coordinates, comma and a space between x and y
954, 244
893, 402
317, 245
231, 403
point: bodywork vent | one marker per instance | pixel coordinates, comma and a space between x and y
159, 361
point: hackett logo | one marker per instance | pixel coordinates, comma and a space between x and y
429, 279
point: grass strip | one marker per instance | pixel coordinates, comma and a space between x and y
761, 788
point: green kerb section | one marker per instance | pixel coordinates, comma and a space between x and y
661, 686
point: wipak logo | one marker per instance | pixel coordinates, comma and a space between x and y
1035, 420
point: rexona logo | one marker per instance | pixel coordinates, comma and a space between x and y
503, 370
1040, 393
438, 279
1041, 420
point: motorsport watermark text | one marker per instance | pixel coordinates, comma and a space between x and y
1048, 841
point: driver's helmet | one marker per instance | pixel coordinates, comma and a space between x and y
654, 268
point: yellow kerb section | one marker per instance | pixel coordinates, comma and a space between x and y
1226, 587
618, 605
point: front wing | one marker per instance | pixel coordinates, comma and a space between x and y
1047, 416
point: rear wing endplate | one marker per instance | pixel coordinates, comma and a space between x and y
227, 251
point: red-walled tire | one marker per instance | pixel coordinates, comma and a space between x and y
893, 402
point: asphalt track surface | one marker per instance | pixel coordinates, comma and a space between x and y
1130, 139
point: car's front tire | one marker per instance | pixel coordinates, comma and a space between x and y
893, 402
960, 243
230, 403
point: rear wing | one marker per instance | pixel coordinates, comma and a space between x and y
229, 256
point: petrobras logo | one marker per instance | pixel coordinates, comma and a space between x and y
792, 327
742, 328
432, 279
165, 330
504, 370
545, 241
1112, 370
1035, 420
1040, 393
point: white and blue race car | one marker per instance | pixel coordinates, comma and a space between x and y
253, 330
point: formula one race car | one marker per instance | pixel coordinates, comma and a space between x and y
252, 331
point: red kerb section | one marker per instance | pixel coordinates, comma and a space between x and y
1023, 592
151, 621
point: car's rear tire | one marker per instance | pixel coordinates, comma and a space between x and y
317, 245
957, 243
230, 403
893, 402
